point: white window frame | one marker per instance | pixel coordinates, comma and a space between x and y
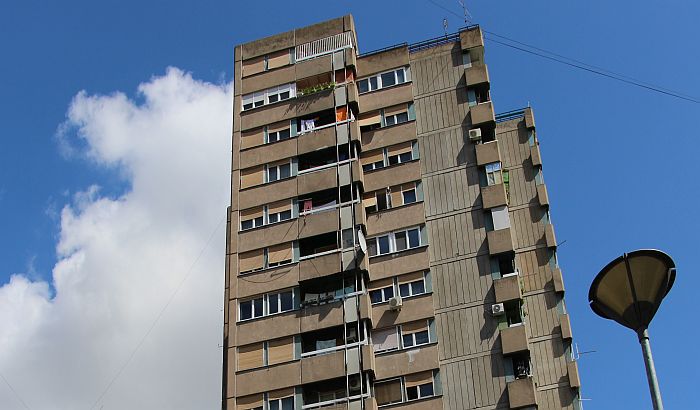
494, 174
269, 140
262, 98
410, 287
408, 244
279, 216
398, 157
255, 225
395, 118
392, 240
277, 167
279, 402
432, 383
252, 309
266, 304
278, 296
383, 292
378, 79
403, 196
374, 165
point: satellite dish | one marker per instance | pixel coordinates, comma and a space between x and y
362, 241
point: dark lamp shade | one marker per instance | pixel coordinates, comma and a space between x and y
629, 289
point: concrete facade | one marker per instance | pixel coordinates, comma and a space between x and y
389, 243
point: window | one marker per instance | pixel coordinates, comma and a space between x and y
280, 302
286, 403
385, 340
420, 391
381, 295
251, 309
416, 339
372, 160
382, 80
466, 59
493, 173
280, 216
279, 255
252, 223
277, 172
396, 118
413, 288
278, 135
269, 96
401, 153
394, 242
409, 196
388, 392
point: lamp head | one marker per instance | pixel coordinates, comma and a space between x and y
630, 289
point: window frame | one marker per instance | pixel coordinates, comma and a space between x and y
379, 82
494, 173
262, 97
382, 290
410, 288
277, 169
393, 241
266, 310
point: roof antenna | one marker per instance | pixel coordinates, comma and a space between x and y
444, 26
467, 15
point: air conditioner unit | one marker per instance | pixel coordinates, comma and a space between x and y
354, 383
498, 309
395, 303
475, 134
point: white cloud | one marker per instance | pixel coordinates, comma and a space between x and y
120, 259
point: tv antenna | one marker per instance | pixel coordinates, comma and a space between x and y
444, 26
467, 15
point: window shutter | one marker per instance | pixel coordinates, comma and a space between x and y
251, 213
252, 176
278, 59
400, 148
253, 66
371, 157
369, 199
414, 327
251, 260
280, 350
279, 253
381, 283
249, 402
252, 138
280, 206
417, 379
370, 118
411, 277
278, 126
251, 356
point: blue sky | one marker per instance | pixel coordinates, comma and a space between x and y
618, 160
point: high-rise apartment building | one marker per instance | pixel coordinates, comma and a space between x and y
389, 240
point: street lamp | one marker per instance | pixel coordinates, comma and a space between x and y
629, 291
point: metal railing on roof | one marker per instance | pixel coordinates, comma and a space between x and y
381, 50
510, 115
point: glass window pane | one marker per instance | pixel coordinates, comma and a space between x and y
273, 98
383, 244
400, 241
417, 287
381, 201
285, 95
401, 75
363, 86
372, 247
259, 221
426, 390
404, 290
402, 117
273, 304
388, 79
388, 292
274, 405
285, 171
273, 218
247, 224
409, 196
375, 296
257, 307
286, 301
284, 134
413, 238
272, 174
288, 403
412, 392
421, 337
285, 215
406, 156
407, 340
390, 120
393, 160
373, 83
246, 310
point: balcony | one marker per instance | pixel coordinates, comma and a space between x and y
316, 140
317, 181
471, 38
558, 280
542, 195
316, 102
499, 241
322, 316
487, 153
392, 175
319, 223
323, 367
320, 266
514, 339
535, 155
329, 289
549, 237
565, 327
395, 218
521, 393
482, 113
384, 137
493, 196
574, 379
402, 362
507, 288
476, 74
331, 393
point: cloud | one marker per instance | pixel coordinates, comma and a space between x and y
121, 258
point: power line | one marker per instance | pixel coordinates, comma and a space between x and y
19, 398
158, 317
577, 63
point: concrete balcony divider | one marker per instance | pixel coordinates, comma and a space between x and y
482, 113
368, 360
493, 196
549, 237
565, 327
535, 155
514, 339
507, 288
487, 153
574, 379
521, 393
542, 195
499, 241
476, 74
366, 308
558, 280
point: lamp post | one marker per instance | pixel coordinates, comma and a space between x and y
629, 291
